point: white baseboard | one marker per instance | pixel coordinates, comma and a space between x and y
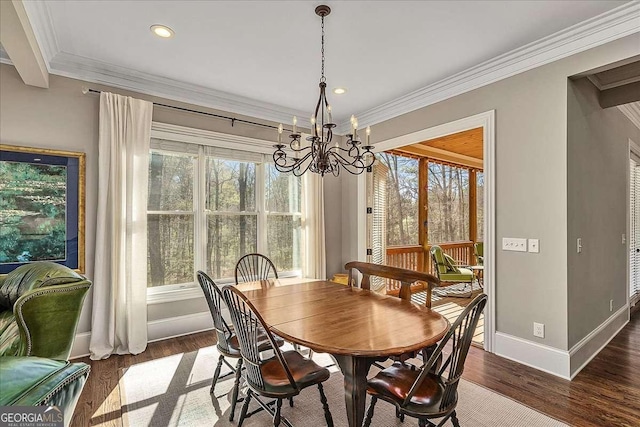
172, 327
587, 348
538, 356
81, 345
157, 330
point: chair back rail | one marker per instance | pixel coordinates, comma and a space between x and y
214, 298
249, 327
460, 334
404, 276
253, 267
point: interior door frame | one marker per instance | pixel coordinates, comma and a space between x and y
486, 121
633, 148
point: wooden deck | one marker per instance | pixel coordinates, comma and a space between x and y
451, 307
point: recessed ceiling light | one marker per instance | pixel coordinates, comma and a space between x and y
162, 31
339, 90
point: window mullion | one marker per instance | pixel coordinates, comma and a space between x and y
200, 222
261, 208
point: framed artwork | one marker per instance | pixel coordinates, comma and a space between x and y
41, 207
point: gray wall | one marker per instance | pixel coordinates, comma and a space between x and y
598, 161
61, 117
531, 177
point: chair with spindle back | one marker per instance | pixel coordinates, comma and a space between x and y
427, 393
227, 342
281, 376
406, 277
253, 267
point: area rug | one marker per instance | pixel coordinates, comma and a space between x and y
174, 391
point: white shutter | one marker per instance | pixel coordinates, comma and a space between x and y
377, 206
634, 238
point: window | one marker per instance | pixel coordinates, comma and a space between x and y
232, 224
402, 199
448, 203
284, 219
170, 219
208, 206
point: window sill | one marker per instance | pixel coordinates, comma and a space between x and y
172, 295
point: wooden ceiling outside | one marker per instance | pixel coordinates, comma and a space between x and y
463, 148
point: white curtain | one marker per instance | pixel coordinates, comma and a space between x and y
315, 249
119, 318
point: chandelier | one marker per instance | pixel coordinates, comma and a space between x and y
321, 155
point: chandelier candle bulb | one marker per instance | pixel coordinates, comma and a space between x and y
368, 135
329, 114
280, 129
295, 125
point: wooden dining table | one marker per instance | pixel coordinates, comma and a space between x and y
356, 326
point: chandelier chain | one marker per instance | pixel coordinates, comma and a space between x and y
322, 79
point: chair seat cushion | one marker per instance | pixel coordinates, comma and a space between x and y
393, 384
305, 372
29, 381
465, 275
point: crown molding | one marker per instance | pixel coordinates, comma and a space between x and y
632, 111
78, 67
614, 24
609, 26
42, 24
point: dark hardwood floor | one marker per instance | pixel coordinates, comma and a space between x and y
606, 393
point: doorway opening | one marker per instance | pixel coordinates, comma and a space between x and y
431, 193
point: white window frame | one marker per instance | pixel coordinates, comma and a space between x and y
203, 138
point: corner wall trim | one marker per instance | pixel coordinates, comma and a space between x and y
538, 356
588, 347
81, 345
157, 330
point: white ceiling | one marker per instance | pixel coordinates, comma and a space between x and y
268, 51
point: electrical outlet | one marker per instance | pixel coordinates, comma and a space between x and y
538, 330
579, 245
624, 238
514, 244
610, 305
534, 246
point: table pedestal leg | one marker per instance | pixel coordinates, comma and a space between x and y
355, 370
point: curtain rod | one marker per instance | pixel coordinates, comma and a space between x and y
233, 120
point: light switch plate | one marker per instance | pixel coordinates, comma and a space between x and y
514, 244
534, 246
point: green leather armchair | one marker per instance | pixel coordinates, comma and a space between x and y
40, 305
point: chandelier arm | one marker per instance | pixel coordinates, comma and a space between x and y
349, 167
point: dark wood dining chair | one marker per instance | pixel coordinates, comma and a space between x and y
281, 376
429, 393
227, 342
406, 277
252, 267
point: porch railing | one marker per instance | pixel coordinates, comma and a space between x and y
414, 257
